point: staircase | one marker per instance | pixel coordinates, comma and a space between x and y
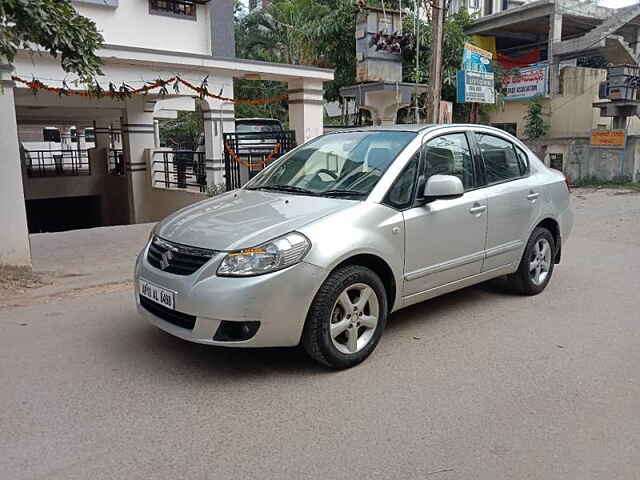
615, 48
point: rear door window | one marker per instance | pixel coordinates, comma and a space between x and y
501, 159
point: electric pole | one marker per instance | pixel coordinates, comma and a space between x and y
437, 25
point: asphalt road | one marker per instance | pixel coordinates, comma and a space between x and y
479, 384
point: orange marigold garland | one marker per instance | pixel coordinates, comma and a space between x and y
252, 166
125, 91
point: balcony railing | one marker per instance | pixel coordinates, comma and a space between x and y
180, 8
251, 151
56, 163
115, 162
182, 169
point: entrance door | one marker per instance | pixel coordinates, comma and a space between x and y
445, 239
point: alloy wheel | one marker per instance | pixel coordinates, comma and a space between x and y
354, 318
540, 261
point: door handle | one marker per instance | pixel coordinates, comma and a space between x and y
477, 209
532, 196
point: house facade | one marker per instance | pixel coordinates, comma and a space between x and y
116, 175
552, 50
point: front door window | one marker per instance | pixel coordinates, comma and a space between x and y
445, 239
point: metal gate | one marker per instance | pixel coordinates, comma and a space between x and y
245, 154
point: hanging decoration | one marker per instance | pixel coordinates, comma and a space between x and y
252, 165
125, 91
507, 63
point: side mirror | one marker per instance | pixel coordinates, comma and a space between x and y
442, 187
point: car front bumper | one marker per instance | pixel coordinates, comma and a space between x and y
279, 301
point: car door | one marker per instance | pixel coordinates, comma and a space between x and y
511, 198
445, 239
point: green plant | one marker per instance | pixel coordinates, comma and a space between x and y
55, 26
535, 125
320, 33
183, 131
616, 182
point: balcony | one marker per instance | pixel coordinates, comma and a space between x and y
179, 169
56, 163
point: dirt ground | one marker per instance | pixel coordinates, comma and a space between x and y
17, 280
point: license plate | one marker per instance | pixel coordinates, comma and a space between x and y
159, 295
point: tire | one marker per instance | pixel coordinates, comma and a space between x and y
350, 318
524, 279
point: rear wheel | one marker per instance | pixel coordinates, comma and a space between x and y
536, 265
347, 317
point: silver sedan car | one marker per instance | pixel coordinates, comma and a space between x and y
324, 244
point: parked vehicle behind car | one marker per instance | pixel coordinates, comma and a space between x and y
258, 125
323, 245
258, 136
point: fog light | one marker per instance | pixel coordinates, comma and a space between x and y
235, 331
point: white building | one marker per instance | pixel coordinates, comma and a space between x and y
144, 40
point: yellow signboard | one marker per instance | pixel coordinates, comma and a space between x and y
485, 42
608, 138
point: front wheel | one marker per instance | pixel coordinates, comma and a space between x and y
536, 266
347, 317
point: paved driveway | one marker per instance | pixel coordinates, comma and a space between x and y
476, 384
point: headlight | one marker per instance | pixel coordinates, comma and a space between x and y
269, 257
152, 233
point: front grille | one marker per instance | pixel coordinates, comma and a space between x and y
175, 258
178, 319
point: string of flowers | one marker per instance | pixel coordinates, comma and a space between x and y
126, 91
255, 165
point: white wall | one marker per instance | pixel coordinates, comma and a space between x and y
131, 24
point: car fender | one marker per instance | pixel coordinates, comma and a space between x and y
370, 228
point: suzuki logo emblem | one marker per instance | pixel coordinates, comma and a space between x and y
166, 259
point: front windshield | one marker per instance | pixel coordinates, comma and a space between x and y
345, 164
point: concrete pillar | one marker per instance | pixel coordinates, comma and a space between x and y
82, 140
223, 43
14, 247
555, 36
306, 112
102, 131
138, 135
65, 138
156, 132
218, 118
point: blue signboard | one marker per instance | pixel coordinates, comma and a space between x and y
475, 87
475, 59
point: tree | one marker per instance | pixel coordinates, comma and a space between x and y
453, 44
535, 126
183, 131
55, 26
319, 33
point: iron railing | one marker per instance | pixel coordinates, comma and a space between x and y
115, 161
249, 151
183, 169
56, 163
174, 7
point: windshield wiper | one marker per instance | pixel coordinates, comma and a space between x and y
285, 188
343, 193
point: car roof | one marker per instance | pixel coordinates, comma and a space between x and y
412, 127
263, 120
